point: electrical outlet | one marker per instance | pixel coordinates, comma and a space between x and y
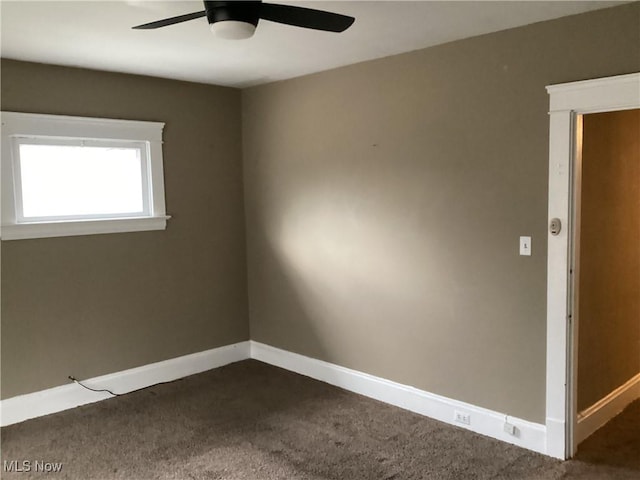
462, 417
510, 428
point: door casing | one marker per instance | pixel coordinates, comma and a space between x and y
568, 102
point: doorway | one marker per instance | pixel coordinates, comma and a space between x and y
607, 267
568, 104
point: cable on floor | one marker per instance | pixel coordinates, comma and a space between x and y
99, 390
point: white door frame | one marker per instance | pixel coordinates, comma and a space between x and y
567, 103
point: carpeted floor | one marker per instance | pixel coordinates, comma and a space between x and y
254, 421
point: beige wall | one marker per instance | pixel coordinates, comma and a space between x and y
384, 203
609, 305
98, 304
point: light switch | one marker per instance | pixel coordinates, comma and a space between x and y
525, 246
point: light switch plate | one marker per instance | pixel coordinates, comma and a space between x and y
525, 246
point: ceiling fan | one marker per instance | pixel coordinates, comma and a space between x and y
238, 19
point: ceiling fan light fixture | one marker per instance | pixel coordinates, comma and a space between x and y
233, 29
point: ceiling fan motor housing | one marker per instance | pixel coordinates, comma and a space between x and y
248, 12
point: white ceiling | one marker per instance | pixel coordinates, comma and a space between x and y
98, 35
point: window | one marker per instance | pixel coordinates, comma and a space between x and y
66, 176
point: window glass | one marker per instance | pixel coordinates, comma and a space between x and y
69, 181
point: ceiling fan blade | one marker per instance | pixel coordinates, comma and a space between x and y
171, 21
305, 17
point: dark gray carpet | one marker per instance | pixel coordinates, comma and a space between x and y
253, 421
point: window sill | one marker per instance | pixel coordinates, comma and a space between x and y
83, 227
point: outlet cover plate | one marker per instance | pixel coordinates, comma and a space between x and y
462, 417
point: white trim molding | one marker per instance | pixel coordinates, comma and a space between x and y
28, 129
486, 422
32, 405
526, 434
83, 227
566, 103
598, 95
598, 414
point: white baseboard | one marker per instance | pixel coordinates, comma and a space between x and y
556, 442
486, 422
57, 399
598, 414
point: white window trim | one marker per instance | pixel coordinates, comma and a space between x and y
65, 127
